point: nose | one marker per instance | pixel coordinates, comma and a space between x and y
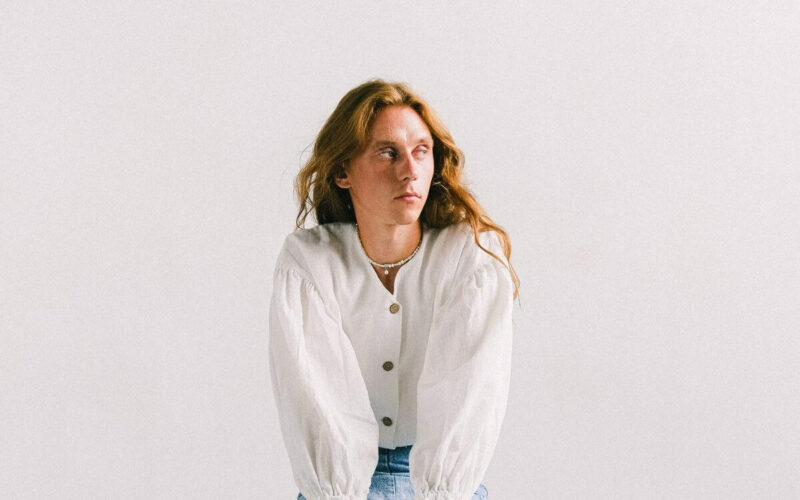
408, 169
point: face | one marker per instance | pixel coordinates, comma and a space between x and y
389, 181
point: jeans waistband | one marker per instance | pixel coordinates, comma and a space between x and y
393, 461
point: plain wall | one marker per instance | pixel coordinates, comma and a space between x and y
643, 157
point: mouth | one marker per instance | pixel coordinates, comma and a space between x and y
412, 196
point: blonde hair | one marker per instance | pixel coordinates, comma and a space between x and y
346, 134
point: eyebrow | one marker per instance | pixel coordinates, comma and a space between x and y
382, 143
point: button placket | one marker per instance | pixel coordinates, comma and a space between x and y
389, 410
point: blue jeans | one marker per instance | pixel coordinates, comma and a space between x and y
391, 480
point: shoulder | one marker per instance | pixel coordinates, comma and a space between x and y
310, 239
465, 268
458, 240
302, 248
455, 248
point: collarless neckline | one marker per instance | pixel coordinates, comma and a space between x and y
364, 264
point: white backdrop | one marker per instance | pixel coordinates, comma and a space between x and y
642, 155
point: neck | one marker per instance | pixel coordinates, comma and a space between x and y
389, 243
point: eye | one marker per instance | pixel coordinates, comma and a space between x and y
387, 153
423, 150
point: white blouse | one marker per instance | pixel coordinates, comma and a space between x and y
355, 367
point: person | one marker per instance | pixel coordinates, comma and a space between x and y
391, 319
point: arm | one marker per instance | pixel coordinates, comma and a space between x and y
323, 405
463, 386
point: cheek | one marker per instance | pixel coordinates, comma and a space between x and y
369, 187
427, 179
429, 172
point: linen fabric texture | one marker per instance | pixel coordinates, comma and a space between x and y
391, 480
446, 329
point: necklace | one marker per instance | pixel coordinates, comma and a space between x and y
386, 267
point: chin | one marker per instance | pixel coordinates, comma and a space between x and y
409, 218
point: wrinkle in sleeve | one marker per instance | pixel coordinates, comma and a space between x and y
328, 426
463, 387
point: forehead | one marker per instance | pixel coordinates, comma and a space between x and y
398, 124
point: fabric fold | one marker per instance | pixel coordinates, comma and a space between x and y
462, 391
327, 423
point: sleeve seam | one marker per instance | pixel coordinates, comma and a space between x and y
461, 284
309, 283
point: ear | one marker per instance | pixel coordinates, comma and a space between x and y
342, 180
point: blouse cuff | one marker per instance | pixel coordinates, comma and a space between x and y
444, 495
338, 497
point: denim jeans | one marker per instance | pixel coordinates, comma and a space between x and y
391, 480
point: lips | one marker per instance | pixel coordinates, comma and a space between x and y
408, 194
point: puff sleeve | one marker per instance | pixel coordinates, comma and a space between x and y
327, 423
463, 386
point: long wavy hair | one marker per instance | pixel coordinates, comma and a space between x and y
346, 134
